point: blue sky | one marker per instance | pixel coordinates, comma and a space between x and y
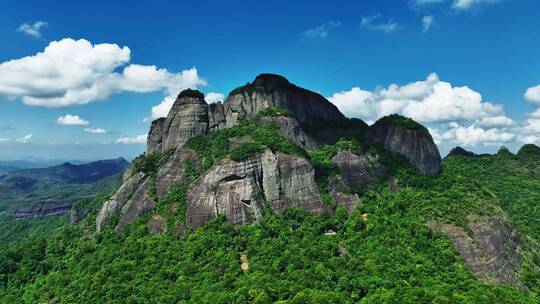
462, 67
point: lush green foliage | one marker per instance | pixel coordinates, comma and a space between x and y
398, 120
275, 112
383, 252
240, 142
13, 231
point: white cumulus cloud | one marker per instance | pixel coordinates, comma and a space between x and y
32, 29
70, 72
427, 101
71, 120
139, 139
472, 135
532, 95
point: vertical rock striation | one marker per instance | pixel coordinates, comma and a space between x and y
404, 136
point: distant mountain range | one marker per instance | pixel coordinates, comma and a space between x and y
66, 173
13, 165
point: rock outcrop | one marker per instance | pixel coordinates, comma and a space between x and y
155, 136
187, 118
138, 204
404, 136
42, 210
268, 90
238, 190
292, 130
157, 224
241, 190
355, 171
117, 201
492, 254
174, 172
216, 117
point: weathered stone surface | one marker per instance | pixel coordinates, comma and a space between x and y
174, 171
157, 224
292, 130
346, 200
155, 136
42, 210
355, 171
117, 201
272, 90
493, 254
77, 215
188, 117
289, 181
229, 188
216, 117
417, 145
238, 189
138, 204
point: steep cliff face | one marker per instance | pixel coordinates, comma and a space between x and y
268, 90
188, 117
239, 190
155, 136
404, 136
117, 201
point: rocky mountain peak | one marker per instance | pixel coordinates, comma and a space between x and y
270, 81
405, 136
189, 96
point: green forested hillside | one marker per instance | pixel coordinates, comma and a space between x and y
383, 252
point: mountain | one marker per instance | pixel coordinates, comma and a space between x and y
36, 199
13, 165
66, 173
275, 197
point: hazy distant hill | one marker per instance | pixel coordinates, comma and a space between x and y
66, 173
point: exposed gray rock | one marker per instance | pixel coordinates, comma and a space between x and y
291, 129
157, 224
117, 201
355, 171
269, 90
493, 254
155, 136
138, 204
174, 171
216, 117
238, 189
417, 145
77, 215
229, 188
188, 117
346, 200
42, 210
289, 181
